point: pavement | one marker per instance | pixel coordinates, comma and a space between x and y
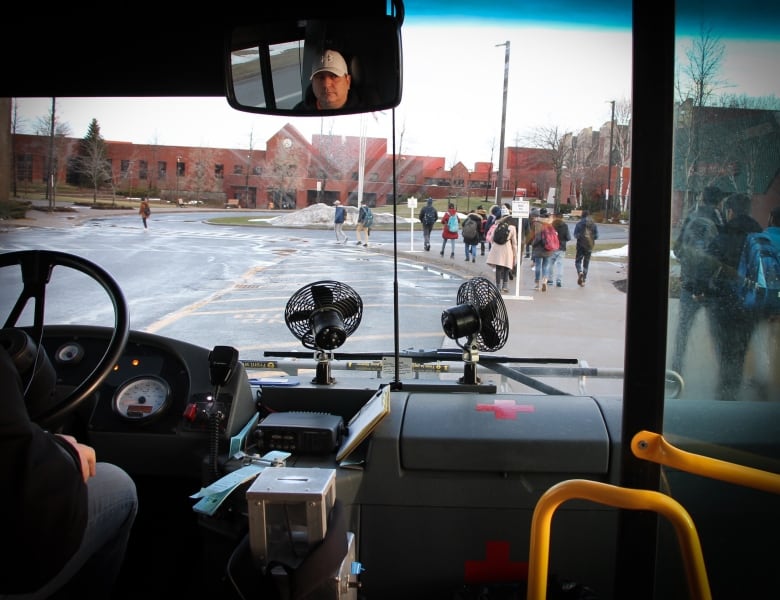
585, 323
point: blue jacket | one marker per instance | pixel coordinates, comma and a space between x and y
340, 215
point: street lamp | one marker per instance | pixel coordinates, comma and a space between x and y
246, 184
609, 164
500, 179
178, 173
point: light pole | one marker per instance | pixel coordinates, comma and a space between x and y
609, 163
178, 173
246, 184
500, 178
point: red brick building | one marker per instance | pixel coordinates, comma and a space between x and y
292, 171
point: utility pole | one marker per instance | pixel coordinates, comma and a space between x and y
500, 178
609, 163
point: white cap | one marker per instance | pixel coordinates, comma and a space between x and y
332, 62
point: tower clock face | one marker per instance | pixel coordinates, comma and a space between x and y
286, 142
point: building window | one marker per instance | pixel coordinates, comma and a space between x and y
179, 168
24, 167
124, 167
143, 169
373, 176
238, 169
219, 171
162, 169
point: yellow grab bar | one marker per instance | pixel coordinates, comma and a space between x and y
653, 447
619, 497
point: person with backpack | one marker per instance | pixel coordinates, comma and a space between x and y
502, 237
544, 242
586, 232
564, 235
364, 222
472, 225
699, 228
730, 323
483, 231
760, 268
493, 216
428, 217
450, 229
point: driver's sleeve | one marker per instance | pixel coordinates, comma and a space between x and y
43, 507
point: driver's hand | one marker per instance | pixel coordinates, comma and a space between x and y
86, 455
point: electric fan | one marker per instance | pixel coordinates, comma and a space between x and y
323, 315
481, 318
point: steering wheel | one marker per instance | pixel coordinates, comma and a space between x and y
37, 267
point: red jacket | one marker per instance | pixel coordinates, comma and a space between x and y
445, 231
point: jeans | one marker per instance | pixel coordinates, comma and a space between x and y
556, 271
542, 268
688, 307
427, 236
582, 261
92, 571
444, 246
471, 251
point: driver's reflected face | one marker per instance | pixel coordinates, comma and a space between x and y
330, 90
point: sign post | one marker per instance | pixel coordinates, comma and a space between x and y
521, 208
412, 204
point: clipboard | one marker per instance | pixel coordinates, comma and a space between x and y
365, 421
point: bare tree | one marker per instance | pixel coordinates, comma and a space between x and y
57, 132
558, 148
621, 149
697, 84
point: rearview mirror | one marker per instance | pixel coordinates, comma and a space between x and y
310, 67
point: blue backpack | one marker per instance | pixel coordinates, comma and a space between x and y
452, 224
368, 217
758, 275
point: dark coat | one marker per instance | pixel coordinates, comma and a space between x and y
43, 511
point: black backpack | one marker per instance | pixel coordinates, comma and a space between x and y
501, 234
470, 231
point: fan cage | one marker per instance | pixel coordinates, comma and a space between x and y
326, 294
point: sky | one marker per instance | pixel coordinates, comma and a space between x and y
452, 95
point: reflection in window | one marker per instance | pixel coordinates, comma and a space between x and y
726, 180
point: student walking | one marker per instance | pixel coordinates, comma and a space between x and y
472, 225
540, 253
730, 323
339, 216
145, 211
428, 217
586, 232
698, 230
450, 230
365, 220
503, 252
564, 235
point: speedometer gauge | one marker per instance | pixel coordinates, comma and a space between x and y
141, 398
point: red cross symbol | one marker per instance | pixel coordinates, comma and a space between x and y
496, 567
506, 409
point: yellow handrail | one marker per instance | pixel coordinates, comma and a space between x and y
653, 447
619, 497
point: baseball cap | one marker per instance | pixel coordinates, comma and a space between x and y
332, 62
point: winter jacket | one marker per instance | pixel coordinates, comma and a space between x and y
584, 242
724, 252
43, 511
445, 232
537, 243
564, 235
504, 255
